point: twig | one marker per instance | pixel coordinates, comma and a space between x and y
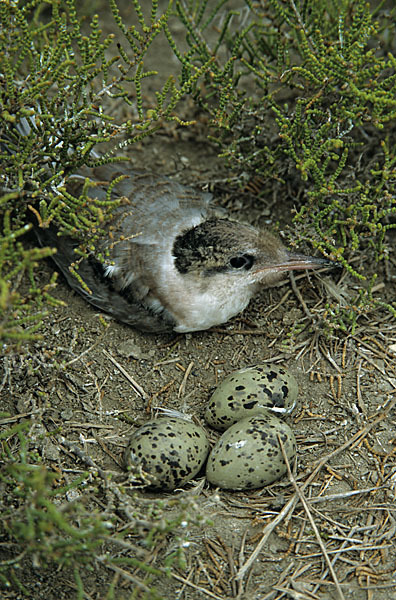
268, 529
183, 383
87, 351
196, 587
104, 560
311, 520
343, 495
138, 388
299, 296
361, 404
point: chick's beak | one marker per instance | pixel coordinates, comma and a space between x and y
299, 262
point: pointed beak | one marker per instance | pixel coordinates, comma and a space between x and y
300, 262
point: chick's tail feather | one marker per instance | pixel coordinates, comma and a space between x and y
122, 306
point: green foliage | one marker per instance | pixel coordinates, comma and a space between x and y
20, 314
44, 529
51, 525
301, 94
305, 99
56, 73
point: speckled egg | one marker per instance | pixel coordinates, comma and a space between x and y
170, 451
248, 392
248, 454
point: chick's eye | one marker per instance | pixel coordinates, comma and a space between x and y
244, 261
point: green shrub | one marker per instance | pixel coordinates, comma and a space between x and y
56, 70
305, 100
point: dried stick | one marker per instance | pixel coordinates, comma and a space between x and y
311, 520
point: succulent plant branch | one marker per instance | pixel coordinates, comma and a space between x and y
321, 119
56, 72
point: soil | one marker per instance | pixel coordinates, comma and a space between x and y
344, 424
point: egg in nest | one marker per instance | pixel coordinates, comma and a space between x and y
248, 455
251, 391
169, 450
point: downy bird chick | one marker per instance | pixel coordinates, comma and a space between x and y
174, 265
